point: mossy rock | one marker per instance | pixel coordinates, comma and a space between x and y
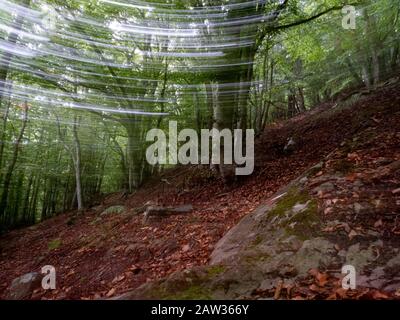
185, 285
214, 271
314, 170
297, 213
195, 292
113, 210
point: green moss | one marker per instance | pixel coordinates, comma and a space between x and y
254, 259
257, 240
215, 270
195, 292
114, 210
314, 170
190, 285
302, 224
189, 292
288, 201
54, 244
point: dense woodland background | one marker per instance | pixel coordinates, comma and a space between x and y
79, 91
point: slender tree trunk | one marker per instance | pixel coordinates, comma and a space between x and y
4, 128
395, 57
302, 105
133, 157
25, 208
375, 67
77, 164
210, 104
10, 170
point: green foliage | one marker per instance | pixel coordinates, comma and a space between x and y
100, 68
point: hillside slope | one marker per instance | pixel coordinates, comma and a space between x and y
342, 211
292, 219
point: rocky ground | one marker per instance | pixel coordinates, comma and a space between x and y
285, 232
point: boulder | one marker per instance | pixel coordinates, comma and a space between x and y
113, 210
23, 286
290, 146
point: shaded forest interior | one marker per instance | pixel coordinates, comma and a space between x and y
79, 91
82, 83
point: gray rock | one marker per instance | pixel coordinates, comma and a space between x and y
375, 280
394, 285
290, 146
357, 207
267, 284
113, 210
324, 187
394, 262
303, 180
238, 237
359, 258
23, 287
314, 253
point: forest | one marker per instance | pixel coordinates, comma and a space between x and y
84, 83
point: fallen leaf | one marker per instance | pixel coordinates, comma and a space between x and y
298, 298
351, 177
332, 297
322, 279
376, 120
342, 293
378, 223
118, 279
353, 234
353, 156
395, 191
111, 292
315, 288
379, 295
278, 290
70, 273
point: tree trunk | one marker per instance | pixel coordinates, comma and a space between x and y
77, 164
4, 130
134, 157
375, 67
8, 176
302, 105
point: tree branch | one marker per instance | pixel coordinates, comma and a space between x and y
309, 19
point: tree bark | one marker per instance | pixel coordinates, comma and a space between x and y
77, 164
8, 176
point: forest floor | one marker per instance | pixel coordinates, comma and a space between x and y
104, 255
